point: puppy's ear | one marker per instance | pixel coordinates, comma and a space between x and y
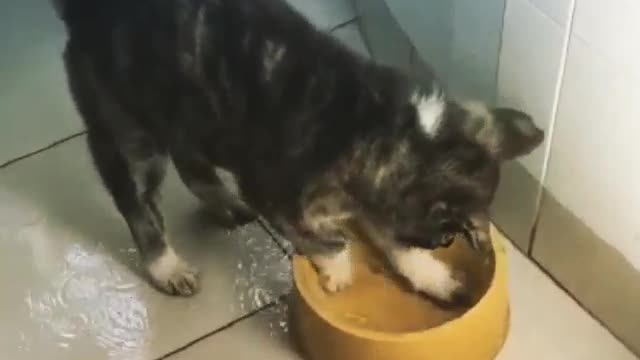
505, 133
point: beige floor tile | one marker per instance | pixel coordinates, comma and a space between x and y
69, 269
547, 324
263, 336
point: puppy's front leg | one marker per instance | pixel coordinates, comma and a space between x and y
426, 273
330, 253
335, 268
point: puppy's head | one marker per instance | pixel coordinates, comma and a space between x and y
447, 187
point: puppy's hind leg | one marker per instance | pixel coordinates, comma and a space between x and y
203, 181
133, 176
133, 179
132, 168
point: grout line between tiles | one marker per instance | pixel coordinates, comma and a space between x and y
552, 125
41, 150
496, 78
546, 13
263, 223
227, 326
343, 24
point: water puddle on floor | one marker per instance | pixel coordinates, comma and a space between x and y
89, 298
261, 273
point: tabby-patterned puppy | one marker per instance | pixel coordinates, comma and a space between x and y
316, 136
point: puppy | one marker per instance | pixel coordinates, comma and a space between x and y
316, 136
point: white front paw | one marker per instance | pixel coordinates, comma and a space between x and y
334, 281
427, 274
335, 270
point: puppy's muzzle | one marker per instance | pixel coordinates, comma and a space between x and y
476, 232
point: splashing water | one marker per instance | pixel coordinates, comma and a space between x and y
278, 320
106, 306
261, 273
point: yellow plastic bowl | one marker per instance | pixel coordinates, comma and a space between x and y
375, 319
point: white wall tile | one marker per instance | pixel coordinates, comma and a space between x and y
611, 28
594, 168
558, 10
530, 62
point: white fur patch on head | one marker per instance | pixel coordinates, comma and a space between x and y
425, 273
430, 110
335, 268
272, 55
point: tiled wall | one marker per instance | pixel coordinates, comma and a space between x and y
594, 169
591, 164
573, 65
531, 58
534, 43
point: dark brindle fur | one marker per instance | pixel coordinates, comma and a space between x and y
315, 136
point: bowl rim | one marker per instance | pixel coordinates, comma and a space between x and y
498, 279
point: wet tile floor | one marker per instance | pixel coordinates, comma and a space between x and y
71, 285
